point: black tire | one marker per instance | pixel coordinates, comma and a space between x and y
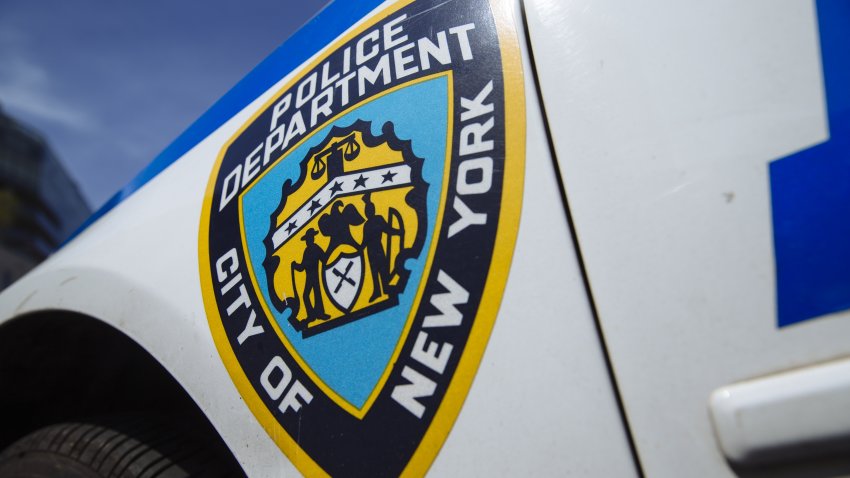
137, 447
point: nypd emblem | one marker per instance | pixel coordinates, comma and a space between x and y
339, 240
357, 233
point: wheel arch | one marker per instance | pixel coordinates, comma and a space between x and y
60, 366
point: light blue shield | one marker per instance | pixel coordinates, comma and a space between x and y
352, 358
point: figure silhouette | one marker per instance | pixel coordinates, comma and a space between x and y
313, 257
373, 232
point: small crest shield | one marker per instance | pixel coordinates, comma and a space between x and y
344, 278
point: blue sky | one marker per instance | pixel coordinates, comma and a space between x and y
111, 84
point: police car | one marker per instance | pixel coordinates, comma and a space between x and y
468, 238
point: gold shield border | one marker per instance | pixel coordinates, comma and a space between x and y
485, 318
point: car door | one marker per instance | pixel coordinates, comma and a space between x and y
702, 148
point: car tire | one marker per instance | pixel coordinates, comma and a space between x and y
127, 448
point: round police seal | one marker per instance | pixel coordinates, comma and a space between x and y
357, 232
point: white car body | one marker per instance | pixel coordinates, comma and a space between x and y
663, 118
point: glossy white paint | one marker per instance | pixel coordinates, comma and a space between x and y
664, 116
783, 417
541, 403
